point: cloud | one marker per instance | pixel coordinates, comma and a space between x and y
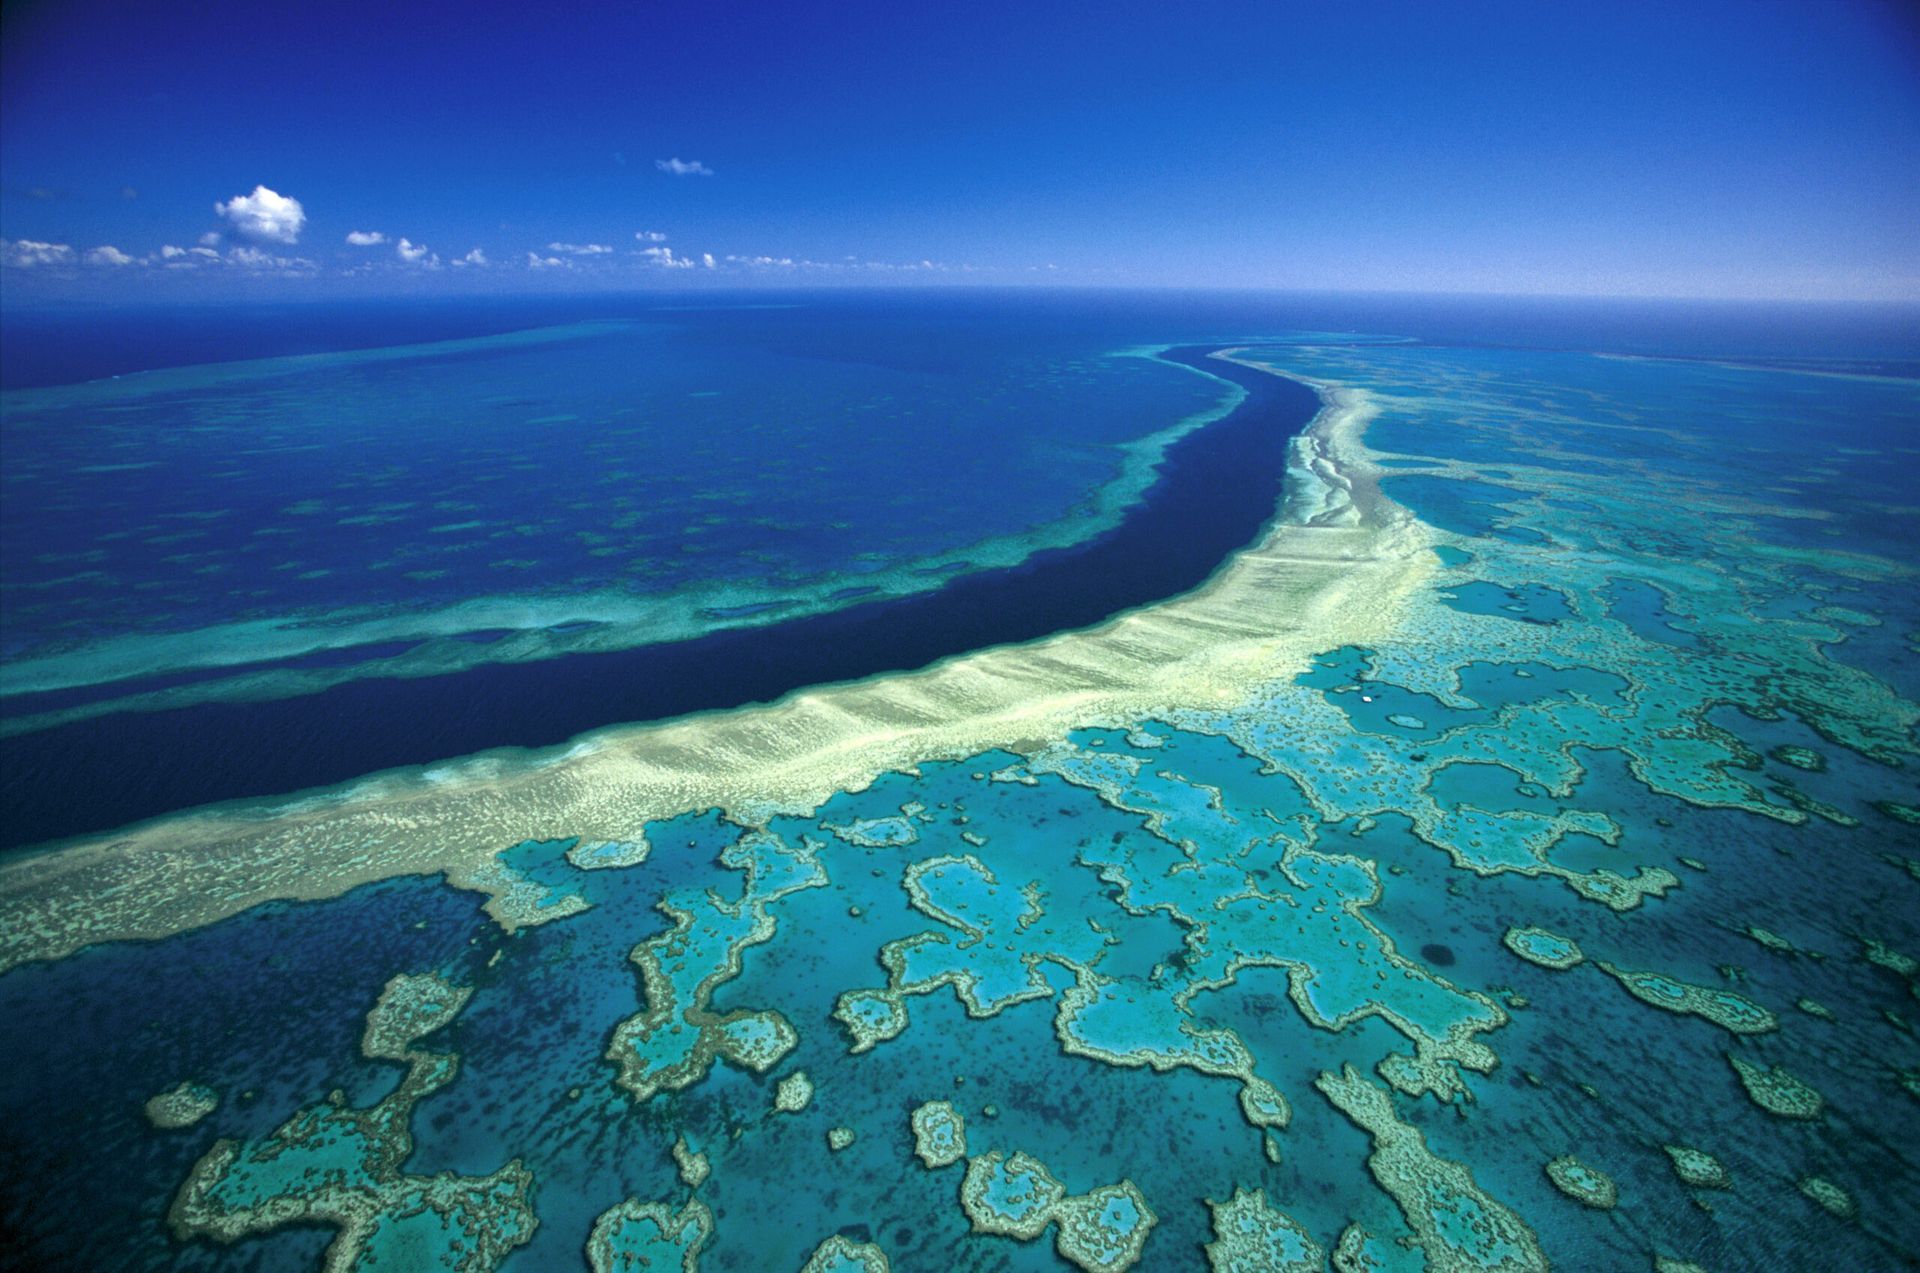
475, 257
264, 216
258, 259
885, 266
128, 192
27, 253
179, 258
650, 236
683, 167
665, 258
211, 239
845, 264
580, 249
410, 251
706, 259
366, 238
107, 254
537, 262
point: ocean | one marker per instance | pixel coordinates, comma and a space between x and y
976, 779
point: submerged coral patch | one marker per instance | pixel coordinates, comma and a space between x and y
649, 1237
674, 1041
343, 1167
1102, 1231
1455, 1222
1734, 1013
843, 1255
1583, 1183
693, 1165
181, 1105
1538, 946
1251, 1235
1832, 1198
1698, 1168
604, 855
939, 1134
1777, 1091
1012, 1197
794, 1093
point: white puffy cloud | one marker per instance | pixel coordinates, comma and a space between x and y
409, 251
211, 239
537, 262
107, 254
580, 249
265, 216
475, 257
706, 259
650, 236
665, 258
366, 238
683, 167
26, 253
763, 262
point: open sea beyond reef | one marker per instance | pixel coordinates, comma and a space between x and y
980, 780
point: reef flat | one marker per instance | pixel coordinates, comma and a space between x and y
1442, 885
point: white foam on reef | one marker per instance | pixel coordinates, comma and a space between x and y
1302, 589
542, 627
1319, 490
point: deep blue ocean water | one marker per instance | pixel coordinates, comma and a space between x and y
1673, 629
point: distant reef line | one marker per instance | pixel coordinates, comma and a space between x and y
1333, 569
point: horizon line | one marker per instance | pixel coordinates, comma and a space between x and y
10, 303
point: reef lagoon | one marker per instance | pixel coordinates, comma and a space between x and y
962, 781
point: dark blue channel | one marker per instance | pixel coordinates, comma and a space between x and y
1215, 491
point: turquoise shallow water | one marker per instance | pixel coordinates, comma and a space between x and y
1656, 700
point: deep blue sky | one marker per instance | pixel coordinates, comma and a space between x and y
1716, 149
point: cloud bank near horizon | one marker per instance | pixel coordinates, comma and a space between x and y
266, 219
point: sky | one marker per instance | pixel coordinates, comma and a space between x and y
206, 150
